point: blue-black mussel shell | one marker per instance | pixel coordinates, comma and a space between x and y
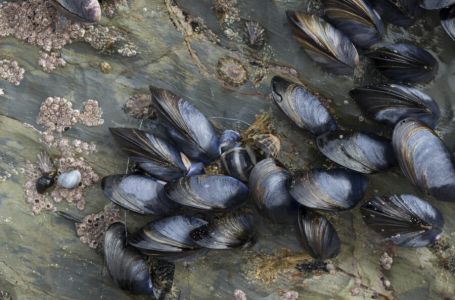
448, 21
401, 13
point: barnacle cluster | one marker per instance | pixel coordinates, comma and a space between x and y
11, 71
109, 40
139, 106
232, 71
57, 114
92, 228
38, 202
110, 8
229, 14
50, 61
91, 113
386, 261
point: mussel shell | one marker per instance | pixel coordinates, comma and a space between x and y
127, 267
152, 153
325, 44
301, 106
138, 193
189, 128
208, 192
268, 186
166, 236
356, 19
226, 232
404, 219
390, 103
436, 4
331, 190
88, 11
424, 159
317, 234
448, 21
359, 151
228, 140
405, 63
401, 13
43, 183
238, 162
268, 145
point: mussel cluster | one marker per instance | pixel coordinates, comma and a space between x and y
349, 27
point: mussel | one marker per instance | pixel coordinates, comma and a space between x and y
167, 237
138, 193
229, 139
436, 4
447, 16
317, 235
390, 103
424, 159
152, 153
324, 43
301, 106
403, 219
230, 231
208, 192
188, 127
398, 12
128, 269
46, 168
405, 63
359, 151
268, 185
267, 145
356, 19
87, 11
238, 162
331, 190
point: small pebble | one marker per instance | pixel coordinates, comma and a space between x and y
105, 67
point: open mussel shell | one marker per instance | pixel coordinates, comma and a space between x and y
138, 193
331, 190
208, 192
356, 19
436, 4
359, 151
448, 20
402, 13
167, 236
127, 267
390, 103
325, 44
317, 234
152, 153
301, 106
230, 231
229, 139
268, 186
189, 128
403, 219
424, 159
88, 11
238, 162
405, 63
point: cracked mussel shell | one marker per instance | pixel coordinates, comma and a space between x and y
268, 187
389, 103
168, 238
215, 193
152, 153
138, 193
330, 190
359, 151
405, 63
402, 13
230, 231
406, 220
238, 162
192, 132
301, 106
127, 267
325, 44
356, 19
447, 16
317, 235
87, 11
424, 159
